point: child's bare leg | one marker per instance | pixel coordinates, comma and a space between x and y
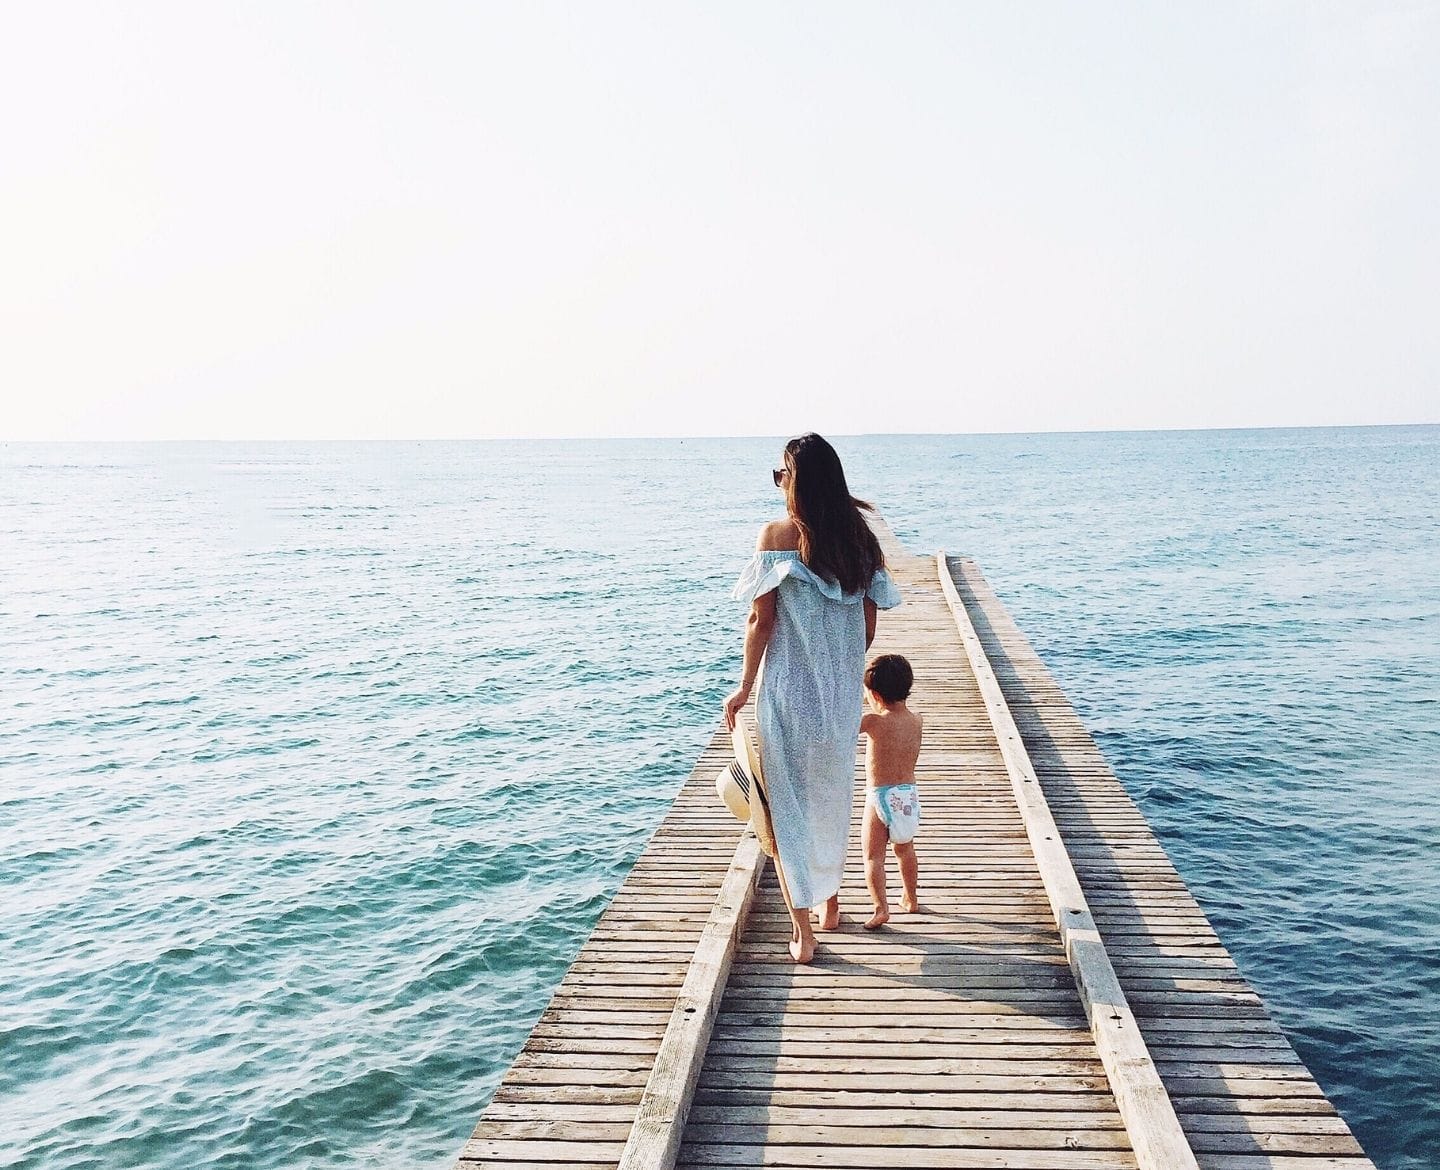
909, 876
873, 837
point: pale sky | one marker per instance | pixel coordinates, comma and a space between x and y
416, 220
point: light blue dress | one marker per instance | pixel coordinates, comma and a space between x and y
808, 713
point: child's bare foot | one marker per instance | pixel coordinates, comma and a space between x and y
879, 918
909, 904
802, 950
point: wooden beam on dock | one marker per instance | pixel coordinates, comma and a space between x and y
654, 1139
1155, 1132
1245, 1100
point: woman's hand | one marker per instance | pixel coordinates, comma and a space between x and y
733, 704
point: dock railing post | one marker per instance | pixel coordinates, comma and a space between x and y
1155, 1132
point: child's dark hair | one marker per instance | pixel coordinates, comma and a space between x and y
890, 677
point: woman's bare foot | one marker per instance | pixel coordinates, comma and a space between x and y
802, 950
909, 905
879, 918
829, 917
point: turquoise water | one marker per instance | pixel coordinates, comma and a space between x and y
317, 761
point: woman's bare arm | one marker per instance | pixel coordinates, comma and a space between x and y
758, 628
872, 611
778, 534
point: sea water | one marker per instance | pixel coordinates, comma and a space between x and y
318, 761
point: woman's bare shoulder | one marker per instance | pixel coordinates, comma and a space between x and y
778, 534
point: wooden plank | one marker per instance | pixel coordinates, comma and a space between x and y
654, 1139
1155, 1131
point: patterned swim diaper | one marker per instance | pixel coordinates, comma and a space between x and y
898, 805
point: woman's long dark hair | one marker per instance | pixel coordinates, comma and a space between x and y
835, 541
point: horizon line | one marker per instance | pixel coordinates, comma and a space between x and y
635, 437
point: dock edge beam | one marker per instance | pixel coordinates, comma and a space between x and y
1156, 1135
654, 1141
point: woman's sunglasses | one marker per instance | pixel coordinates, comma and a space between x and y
779, 475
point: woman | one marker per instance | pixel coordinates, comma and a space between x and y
814, 584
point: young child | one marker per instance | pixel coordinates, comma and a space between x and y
892, 804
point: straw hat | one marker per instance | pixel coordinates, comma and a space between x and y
741, 786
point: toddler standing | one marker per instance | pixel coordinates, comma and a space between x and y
892, 803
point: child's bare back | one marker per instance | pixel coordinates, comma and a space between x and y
894, 748
892, 803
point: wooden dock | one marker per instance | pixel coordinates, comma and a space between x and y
1060, 1003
